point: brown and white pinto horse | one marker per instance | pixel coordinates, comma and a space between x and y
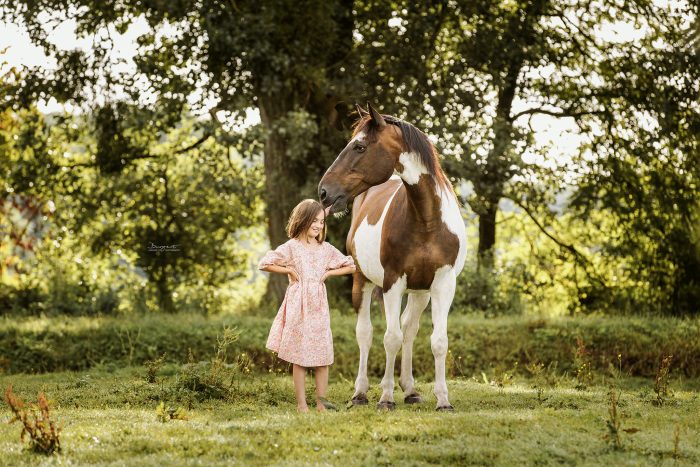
407, 236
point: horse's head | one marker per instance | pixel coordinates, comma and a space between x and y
368, 159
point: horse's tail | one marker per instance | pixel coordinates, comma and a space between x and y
378, 295
358, 285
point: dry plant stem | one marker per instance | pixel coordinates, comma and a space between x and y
36, 423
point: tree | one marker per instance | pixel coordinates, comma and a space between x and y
646, 171
284, 59
480, 71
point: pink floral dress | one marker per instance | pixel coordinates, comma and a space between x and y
301, 331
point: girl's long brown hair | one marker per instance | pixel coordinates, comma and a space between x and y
302, 217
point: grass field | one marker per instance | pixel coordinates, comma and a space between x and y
109, 417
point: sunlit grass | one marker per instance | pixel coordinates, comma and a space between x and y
111, 418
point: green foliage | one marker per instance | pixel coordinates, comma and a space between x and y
473, 74
111, 232
152, 368
165, 414
476, 344
481, 290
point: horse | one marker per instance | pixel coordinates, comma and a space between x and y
407, 235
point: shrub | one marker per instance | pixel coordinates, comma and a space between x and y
165, 414
152, 367
35, 345
210, 380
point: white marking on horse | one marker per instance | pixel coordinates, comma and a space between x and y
452, 218
410, 321
442, 292
358, 137
363, 333
393, 335
413, 167
368, 240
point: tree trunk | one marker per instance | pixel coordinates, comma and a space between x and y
282, 189
487, 237
165, 295
497, 171
292, 177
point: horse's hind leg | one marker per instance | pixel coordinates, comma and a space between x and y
441, 293
362, 299
410, 320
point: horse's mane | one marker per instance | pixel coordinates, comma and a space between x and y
414, 140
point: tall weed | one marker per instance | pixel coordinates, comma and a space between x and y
661, 381
36, 423
213, 379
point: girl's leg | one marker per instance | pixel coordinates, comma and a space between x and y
321, 374
298, 376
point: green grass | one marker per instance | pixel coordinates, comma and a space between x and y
109, 418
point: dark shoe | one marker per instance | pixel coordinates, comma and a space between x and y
327, 404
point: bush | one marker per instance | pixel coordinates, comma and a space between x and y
36, 345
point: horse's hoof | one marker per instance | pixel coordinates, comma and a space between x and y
386, 405
445, 408
360, 399
413, 399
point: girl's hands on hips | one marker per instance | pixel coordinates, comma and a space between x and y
293, 276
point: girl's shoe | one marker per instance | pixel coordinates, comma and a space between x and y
327, 404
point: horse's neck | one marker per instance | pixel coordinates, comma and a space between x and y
422, 191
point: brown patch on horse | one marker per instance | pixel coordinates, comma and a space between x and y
431, 243
371, 204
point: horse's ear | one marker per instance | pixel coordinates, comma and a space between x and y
377, 118
360, 111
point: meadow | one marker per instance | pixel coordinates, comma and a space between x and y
527, 392
112, 418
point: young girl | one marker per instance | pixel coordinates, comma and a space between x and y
301, 331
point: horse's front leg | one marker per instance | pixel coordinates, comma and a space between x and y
410, 320
392, 341
363, 332
441, 293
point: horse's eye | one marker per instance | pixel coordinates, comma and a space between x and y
360, 148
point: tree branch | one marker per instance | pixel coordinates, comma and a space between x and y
556, 113
204, 137
578, 256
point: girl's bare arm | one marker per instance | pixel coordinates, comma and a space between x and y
339, 271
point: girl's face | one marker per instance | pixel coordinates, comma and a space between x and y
317, 226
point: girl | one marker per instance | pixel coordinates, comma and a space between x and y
301, 331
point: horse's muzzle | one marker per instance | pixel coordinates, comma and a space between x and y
331, 195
